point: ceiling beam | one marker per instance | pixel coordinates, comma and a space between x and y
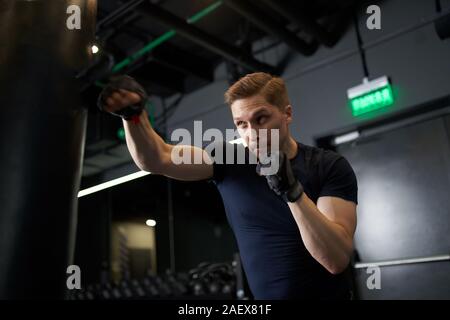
202, 38
267, 24
302, 20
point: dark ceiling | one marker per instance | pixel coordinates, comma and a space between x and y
185, 61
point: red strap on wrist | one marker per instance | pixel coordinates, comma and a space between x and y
135, 119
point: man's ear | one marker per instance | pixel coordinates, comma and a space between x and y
288, 113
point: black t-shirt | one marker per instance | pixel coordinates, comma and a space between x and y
275, 260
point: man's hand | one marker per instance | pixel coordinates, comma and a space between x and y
283, 182
123, 97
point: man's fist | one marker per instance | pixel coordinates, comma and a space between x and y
282, 182
123, 97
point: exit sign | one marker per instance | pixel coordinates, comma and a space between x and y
370, 96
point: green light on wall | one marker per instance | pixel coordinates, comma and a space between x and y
370, 96
121, 134
371, 101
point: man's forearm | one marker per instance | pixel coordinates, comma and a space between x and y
145, 145
326, 241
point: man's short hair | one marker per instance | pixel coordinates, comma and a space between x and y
272, 88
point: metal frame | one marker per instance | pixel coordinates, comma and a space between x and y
443, 257
265, 23
203, 39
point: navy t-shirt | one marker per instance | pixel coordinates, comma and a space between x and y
275, 260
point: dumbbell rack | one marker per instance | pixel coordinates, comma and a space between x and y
205, 282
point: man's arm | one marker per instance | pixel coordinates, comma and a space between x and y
149, 151
327, 229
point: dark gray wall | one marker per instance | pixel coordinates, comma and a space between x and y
407, 49
403, 212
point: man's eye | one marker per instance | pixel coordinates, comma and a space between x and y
239, 123
262, 119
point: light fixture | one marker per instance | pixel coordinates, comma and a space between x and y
150, 222
94, 49
112, 183
346, 137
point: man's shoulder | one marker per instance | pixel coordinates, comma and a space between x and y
318, 156
335, 174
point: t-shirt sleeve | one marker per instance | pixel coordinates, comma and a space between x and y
218, 172
216, 151
339, 179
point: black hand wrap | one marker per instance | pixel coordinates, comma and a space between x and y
126, 83
283, 182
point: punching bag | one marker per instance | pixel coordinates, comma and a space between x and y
43, 45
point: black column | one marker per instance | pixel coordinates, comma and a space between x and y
42, 131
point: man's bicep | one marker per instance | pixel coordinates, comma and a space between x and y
187, 163
339, 211
338, 196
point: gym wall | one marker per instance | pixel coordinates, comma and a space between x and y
407, 49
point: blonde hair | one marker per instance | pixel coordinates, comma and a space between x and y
272, 88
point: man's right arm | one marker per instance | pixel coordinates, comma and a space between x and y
150, 152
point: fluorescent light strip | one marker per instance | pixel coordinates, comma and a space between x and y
112, 183
346, 137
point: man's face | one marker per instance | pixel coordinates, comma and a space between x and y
255, 113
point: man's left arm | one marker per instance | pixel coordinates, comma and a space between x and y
327, 229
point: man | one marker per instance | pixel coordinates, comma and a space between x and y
295, 227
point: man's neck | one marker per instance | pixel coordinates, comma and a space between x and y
290, 148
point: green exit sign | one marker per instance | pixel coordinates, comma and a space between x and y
370, 96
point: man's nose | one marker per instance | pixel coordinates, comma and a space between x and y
253, 134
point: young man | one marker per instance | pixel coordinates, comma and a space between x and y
294, 228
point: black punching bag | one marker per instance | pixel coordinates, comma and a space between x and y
43, 45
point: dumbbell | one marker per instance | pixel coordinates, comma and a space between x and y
106, 292
125, 290
163, 287
116, 292
152, 291
198, 287
229, 288
178, 285
137, 289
